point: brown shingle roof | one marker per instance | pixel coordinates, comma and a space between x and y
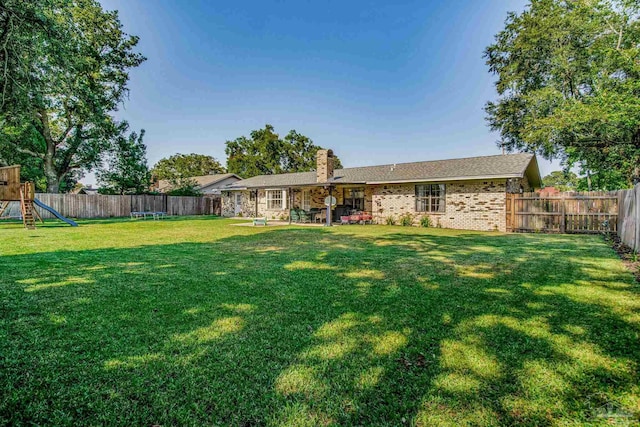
485, 167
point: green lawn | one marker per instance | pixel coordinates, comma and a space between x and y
198, 322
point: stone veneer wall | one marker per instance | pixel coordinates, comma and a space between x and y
470, 205
318, 194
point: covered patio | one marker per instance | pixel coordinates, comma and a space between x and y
349, 204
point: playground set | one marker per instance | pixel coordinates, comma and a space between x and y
12, 190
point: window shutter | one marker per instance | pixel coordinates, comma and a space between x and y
284, 199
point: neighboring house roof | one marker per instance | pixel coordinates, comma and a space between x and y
85, 190
549, 190
202, 181
486, 167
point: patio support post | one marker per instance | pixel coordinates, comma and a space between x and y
289, 204
329, 207
255, 192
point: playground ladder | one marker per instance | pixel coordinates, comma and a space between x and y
3, 207
26, 205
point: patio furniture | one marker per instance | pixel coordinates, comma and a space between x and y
321, 216
357, 217
295, 217
314, 213
341, 210
260, 221
159, 215
304, 216
366, 217
148, 214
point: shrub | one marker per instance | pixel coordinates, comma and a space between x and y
390, 220
425, 222
406, 220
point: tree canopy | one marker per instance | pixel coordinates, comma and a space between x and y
126, 170
184, 187
569, 86
181, 166
66, 67
562, 180
265, 153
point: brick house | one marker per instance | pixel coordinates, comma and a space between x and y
468, 193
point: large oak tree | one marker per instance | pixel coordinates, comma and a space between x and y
66, 68
265, 153
569, 85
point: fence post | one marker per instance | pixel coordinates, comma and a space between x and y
620, 194
507, 212
512, 212
636, 202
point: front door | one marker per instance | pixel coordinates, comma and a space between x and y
238, 204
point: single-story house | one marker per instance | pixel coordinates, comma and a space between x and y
468, 193
549, 191
209, 185
89, 191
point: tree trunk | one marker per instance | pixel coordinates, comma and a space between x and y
50, 173
53, 183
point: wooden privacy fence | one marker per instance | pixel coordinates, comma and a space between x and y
102, 206
591, 212
588, 212
629, 218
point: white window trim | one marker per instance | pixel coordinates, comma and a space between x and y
429, 198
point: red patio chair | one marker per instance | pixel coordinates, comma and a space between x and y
366, 217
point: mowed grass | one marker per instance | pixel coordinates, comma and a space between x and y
198, 322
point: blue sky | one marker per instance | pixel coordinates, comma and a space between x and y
376, 81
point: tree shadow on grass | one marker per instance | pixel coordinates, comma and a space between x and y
314, 327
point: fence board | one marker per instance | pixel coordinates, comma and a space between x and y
636, 205
103, 206
590, 212
629, 231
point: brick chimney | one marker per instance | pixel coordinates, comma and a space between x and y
324, 165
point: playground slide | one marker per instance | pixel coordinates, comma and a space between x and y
54, 213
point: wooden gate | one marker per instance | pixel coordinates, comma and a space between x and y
592, 212
213, 206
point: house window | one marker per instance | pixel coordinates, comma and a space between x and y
252, 196
275, 199
354, 198
430, 198
306, 200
